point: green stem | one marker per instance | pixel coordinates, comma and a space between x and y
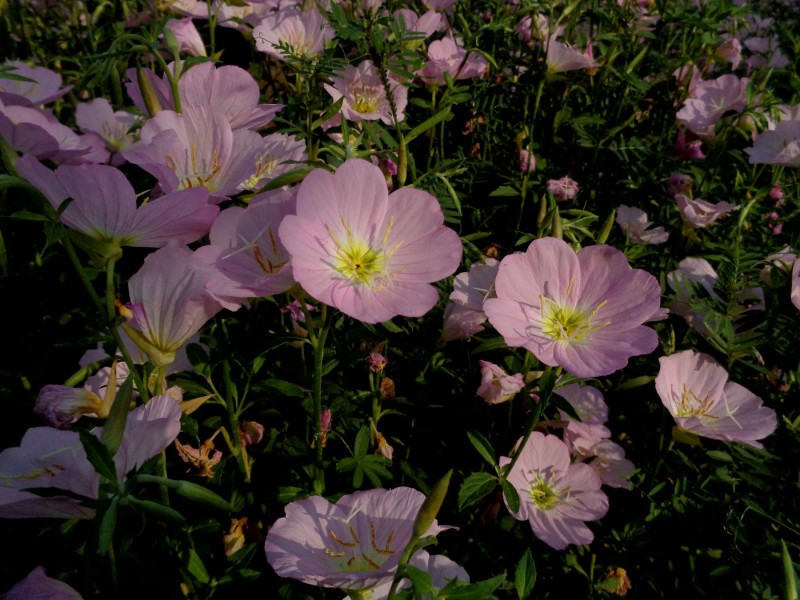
526, 174
319, 361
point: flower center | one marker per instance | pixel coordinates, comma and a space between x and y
366, 100
543, 496
351, 554
568, 324
360, 263
691, 405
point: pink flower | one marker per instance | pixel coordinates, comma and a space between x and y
170, 301
187, 36
696, 391
245, 248
780, 146
279, 154
710, 100
426, 24
634, 223
354, 544
563, 189
496, 385
196, 148
556, 496
687, 146
731, 51
61, 405
563, 57
303, 32
527, 161
365, 96
582, 311
795, 295
38, 586
679, 183
370, 254
51, 458
44, 87
98, 117
230, 91
446, 56
698, 213
441, 569
464, 316
103, 206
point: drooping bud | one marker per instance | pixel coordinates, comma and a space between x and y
151, 102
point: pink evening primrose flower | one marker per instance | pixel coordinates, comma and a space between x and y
303, 32
496, 385
100, 118
556, 496
196, 148
44, 87
170, 301
187, 36
795, 294
582, 311
464, 316
365, 96
563, 189
710, 101
778, 146
246, 250
446, 56
104, 207
698, 213
279, 154
634, 223
38, 586
696, 391
563, 57
370, 254
441, 569
230, 91
52, 458
354, 544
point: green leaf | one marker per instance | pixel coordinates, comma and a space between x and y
286, 388
511, 495
114, 428
791, 581
483, 446
156, 509
428, 124
525, 575
99, 455
475, 487
422, 581
326, 116
108, 524
196, 567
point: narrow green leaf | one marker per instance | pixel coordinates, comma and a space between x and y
428, 124
505, 191
196, 567
99, 455
480, 590
511, 495
475, 487
156, 509
108, 524
790, 578
483, 446
525, 575
114, 428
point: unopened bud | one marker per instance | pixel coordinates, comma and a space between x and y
430, 508
151, 102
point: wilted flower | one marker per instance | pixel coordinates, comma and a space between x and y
377, 362
496, 385
250, 432
679, 183
687, 146
582, 311
556, 496
696, 391
527, 161
387, 388
384, 449
234, 540
203, 459
354, 544
370, 254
